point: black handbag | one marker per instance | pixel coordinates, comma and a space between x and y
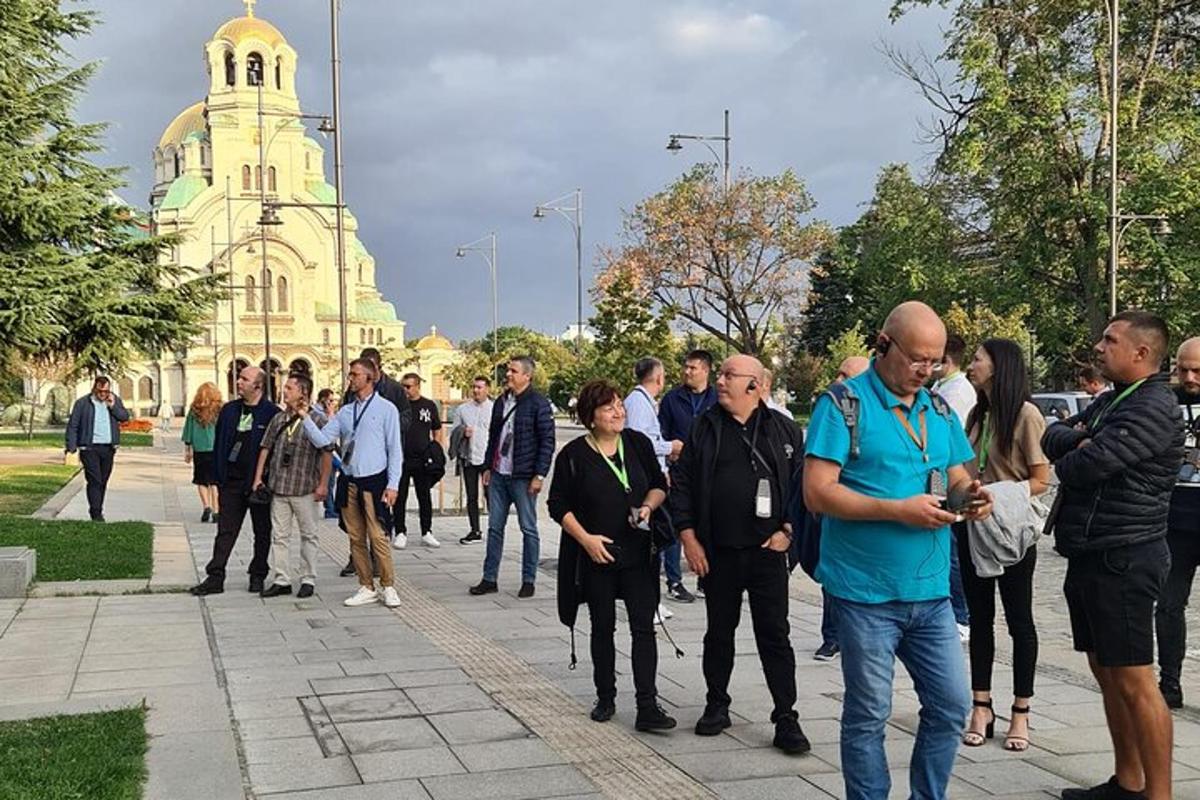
433, 462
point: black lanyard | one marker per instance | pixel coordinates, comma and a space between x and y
752, 443
357, 415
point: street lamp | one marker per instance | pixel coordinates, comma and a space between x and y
574, 215
461, 252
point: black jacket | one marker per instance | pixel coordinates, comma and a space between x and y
1116, 490
533, 435
81, 427
226, 433
389, 389
692, 489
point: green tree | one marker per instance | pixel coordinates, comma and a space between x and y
551, 358
79, 280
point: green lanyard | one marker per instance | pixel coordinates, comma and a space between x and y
985, 444
622, 473
245, 421
1128, 391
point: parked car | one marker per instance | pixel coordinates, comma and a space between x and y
1057, 406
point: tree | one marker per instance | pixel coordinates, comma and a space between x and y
551, 358
712, 257
79, 281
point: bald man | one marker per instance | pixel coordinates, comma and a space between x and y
1183, 531
885, 550
741, 454
851, 367
240, 428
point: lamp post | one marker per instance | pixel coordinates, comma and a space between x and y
574, 215
461, 252
340, 255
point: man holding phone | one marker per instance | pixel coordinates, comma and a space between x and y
888, 493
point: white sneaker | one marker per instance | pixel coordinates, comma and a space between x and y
363, 597
400, 542
429, 541
391, 598
964, 633
662, 613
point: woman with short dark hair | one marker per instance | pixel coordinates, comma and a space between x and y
606, 485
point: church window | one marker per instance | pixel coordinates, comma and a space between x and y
245, 177
283, 297
254, 70
257, 177
178, 170
360, 273
203, 156
270, 281
307, 161
270, 179
145, 389
362, 335
230, 70
379, 336
370, 336
251, 295
279, 73
325, 336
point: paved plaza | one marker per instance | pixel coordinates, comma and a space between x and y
451, 696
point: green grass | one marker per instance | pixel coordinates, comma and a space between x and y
19, 440
25, 487
69, 550
94, 756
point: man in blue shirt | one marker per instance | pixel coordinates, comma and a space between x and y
885, 551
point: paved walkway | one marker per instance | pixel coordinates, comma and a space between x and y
452, 696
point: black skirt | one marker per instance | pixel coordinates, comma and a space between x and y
203, 473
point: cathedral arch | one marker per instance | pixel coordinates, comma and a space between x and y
230, 69
251, 295
245, 177
282, 291
254, 69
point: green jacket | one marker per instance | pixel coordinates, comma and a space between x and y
200, 437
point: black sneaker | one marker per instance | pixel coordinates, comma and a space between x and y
1172, 692
347, 570
603, 710
653, 718
714, 720
207, 587
484, 587
256, 585
789, 737
526, 590
207, 515
471, 538
306, 590
826, 652
1109, 790
679, 593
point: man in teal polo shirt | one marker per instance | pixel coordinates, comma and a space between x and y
885, 551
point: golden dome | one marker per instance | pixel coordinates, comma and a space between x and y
190, 120
434, 341
236, 30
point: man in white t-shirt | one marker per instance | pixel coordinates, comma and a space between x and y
472, 420
953, 386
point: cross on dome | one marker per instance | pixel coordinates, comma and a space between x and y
249, 7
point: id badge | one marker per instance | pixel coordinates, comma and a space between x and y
234, 452
346, 456
937, 484
762, 499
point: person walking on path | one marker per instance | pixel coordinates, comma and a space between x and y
240, 429
472, 420
165, 414
424, 430
94, 430
297, 474
728, 501
1005, 430
520, 447
1183, 532
606, 485
368, 430
199, 435
883, 491
1117, 462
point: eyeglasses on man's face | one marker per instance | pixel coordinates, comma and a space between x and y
933, 365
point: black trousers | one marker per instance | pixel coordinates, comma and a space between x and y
1016, 594
97, 463
763, 575
424, 497
1169, 622
638, 587
470, 476
233, 504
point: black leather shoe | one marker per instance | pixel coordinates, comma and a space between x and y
603, 710
207, 515
526, 590
653, 718
1172, 692
484, 587
306, 590
714, 720
207, 587
789, 737
347, 570
216, 517
277, 589
1110, 790
256, 585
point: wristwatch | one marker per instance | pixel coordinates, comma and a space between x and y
541, 478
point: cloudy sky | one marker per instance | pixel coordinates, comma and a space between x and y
460, 117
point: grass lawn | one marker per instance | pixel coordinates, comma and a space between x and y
15, 440
94, 756
69, 550
25, 487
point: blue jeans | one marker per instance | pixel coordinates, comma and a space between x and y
503, 491
958, 599
829, 628
331, 511
925, 639
669, 557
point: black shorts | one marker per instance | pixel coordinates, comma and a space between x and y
1111, 596
203, 473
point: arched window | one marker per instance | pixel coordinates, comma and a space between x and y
362, 335
325, 336
203, 156
370, 336
178, 169
307, 161
300, 366
245, 177
145, 389
270, 179
254, 70
379, 336
230, 70
267, 294
257, 177
282, 290
251, 294
360, 273
279, 73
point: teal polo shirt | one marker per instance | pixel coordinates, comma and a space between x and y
877, 561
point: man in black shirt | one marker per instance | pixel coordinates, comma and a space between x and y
729, 495
424, 429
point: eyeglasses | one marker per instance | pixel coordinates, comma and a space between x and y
728, 373
930, 364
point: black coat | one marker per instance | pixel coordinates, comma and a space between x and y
1116, 490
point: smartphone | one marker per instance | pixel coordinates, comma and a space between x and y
636, 521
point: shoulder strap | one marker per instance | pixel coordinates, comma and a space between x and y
941, 406
847, 402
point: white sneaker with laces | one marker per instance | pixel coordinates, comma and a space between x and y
363, 597
391, 598
429, 541
662, 613
400, 542
964, 633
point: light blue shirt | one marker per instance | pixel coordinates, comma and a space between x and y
376, 438
884, 561
101, 423
641, 414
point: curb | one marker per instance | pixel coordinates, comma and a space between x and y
54, 506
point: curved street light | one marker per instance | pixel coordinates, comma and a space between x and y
461, 252
573, 215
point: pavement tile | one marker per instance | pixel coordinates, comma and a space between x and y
510, 754
463, 727
197, 675
343, 685
441, 699
267, 751
393, 790
739, 765
175, 773
778, 788
401, 764
381, 735
428, 677
523, 784
298, 773
357, 706
324, 656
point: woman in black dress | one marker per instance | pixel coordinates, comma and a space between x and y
606, 485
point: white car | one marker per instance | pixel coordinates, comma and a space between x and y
1057, 406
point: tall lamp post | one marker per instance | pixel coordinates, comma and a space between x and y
476, 246
340, 255
674, 146
574, 215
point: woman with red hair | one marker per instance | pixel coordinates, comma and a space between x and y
199, 432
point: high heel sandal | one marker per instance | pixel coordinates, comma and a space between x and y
974, 738
1017, 744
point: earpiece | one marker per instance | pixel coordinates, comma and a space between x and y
752, 386
883, 345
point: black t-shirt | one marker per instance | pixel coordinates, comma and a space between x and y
1185, 499
737, 472
425, 420
242, 467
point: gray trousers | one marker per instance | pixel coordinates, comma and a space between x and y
288, 514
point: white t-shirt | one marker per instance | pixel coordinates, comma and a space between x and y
958, 393
478, 417
504, 465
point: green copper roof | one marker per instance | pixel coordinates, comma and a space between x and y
322, 191
183, 190
359, 248
376, 311
325, 309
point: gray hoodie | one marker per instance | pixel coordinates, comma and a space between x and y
1006, 535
